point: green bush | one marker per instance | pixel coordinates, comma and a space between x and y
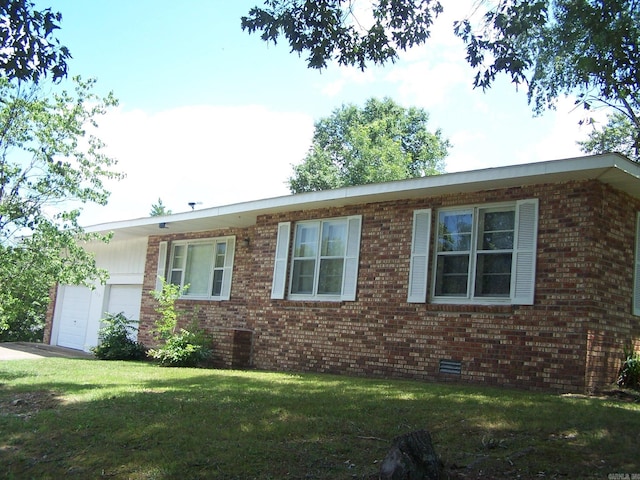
115, 340
183, 349
629, 375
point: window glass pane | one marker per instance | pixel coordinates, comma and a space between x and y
454, 231
330, 279
499, 220
493, 277
334, 237
221, 250
498, 230
199, 258
302, 276
306, 241
497, 241
452, 275
176, 277
217, 283
178, 256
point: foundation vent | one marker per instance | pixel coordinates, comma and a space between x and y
450, 366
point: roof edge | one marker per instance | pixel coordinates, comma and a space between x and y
594, 166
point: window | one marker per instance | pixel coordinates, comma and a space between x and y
479, 240
204, 265
324, 259
483, 254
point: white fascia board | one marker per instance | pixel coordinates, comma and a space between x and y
609, 168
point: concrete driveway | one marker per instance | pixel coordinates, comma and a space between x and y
25, 351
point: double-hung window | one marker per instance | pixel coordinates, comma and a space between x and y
324, 259
475, 252
483, 254
204, 267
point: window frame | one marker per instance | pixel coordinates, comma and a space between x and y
226, 269
350, 258
478, 213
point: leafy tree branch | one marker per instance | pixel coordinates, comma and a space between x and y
49, 161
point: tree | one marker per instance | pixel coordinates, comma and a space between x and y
49, 162
158, 209
590, 48
618, 135
29, 50
330, 29
380, 142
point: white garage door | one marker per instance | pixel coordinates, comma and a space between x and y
125, 299
74, 317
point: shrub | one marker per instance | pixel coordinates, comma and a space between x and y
184, 348
168, 320
115, 340
187, 348
629, 375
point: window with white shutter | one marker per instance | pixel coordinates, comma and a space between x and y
162, 264
278, 286
419, 265
203, 268
486, 254
324, 260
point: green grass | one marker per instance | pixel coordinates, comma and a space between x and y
92, 419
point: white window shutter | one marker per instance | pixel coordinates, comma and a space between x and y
419, 256
352, 256
523, 279
280, 263
636, 270
227, 271
162, 263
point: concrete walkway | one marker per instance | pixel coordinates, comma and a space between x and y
25, 351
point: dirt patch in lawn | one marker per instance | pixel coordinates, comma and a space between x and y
27, 404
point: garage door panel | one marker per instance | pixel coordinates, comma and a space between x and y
74, 316
126, 299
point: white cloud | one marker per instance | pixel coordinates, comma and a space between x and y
210, 154
564, 132
427, 85
221, 155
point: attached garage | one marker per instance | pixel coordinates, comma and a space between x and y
73, 315
125, 299
79, 310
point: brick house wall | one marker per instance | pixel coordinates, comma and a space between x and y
51, 306
570, 340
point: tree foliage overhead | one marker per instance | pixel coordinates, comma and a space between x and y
48, 162
330, 30
28, 50
380, 142
588, 48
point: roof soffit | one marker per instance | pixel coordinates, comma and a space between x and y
612, 169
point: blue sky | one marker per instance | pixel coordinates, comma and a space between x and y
211, 114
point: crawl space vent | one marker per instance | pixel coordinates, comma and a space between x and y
450, 366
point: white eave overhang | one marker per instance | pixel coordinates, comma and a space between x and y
612, 169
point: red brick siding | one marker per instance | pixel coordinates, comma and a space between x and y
51, 307
571, 339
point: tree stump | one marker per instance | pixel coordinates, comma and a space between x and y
411, 457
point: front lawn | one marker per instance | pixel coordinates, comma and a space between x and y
62, 418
